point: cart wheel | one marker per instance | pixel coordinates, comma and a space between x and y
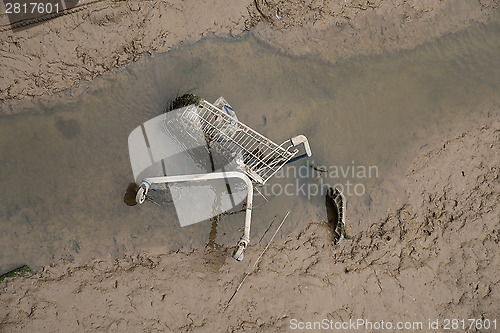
141, 195
239, 253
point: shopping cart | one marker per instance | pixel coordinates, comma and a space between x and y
254, 158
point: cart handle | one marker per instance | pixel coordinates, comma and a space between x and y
245, 239
297, 140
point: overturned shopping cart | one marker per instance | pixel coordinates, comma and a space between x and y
203, 142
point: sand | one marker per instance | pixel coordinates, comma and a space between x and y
59, 53
434, 257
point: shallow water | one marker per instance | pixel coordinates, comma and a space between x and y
65, 163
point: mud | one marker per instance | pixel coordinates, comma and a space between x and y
434, 257
58, 54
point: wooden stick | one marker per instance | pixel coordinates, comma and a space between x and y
255, 264
261, 194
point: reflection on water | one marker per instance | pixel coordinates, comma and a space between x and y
65, 170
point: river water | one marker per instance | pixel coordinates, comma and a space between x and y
65, 163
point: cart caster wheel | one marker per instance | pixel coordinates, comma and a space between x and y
242, 245
239, 253
140, 197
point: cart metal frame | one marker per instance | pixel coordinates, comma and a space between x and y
257, 157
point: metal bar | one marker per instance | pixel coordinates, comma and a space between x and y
215, 175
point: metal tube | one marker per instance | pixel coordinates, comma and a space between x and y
297, 140
215, 175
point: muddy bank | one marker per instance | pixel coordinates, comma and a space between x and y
57, 54
335, 30
434, 257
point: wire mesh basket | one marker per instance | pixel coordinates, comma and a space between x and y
256, 155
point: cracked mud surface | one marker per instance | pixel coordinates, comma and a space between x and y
57, 54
